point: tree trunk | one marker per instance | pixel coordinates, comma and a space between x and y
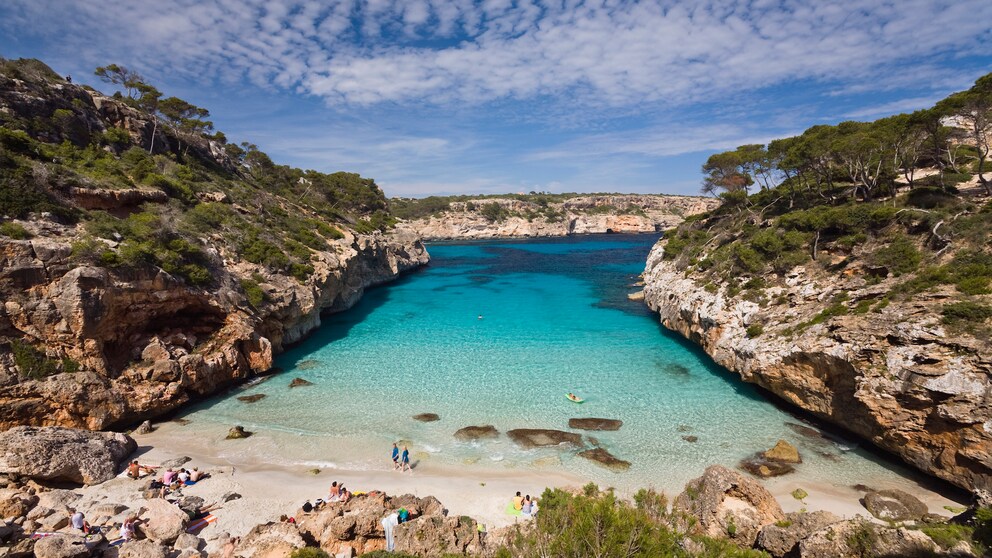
151, 148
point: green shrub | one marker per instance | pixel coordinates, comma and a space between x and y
747, 259
494, 212
253, 292
966, 311
116, 136
754, 330
863, 539
310, 552
30, 362
948, 535
899, 256
14, 230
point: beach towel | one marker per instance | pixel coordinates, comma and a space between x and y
117, 542
201, 523
41, 534
388, 523
512, 510
190, 482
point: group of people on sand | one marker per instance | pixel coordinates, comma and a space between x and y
401, 461
525, 505
338, 493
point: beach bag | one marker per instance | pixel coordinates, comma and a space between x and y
307, 507
403, 515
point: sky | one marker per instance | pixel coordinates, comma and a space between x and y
438, 97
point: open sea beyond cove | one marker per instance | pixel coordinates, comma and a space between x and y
497, 333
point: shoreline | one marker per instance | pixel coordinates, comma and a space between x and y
270, 490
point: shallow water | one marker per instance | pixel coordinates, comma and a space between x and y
497, 333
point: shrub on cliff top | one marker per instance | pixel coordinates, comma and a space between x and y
966, 311
310, 552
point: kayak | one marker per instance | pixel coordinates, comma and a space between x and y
574, 399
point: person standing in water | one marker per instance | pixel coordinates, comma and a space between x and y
406, 459
396, 457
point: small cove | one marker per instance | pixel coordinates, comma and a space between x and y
554, 318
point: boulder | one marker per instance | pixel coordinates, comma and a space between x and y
59, 454
163, 522
298, 382
427, 417
15, 504
595, 423
783, 452
857, 537
539, 437
470, 433
606, 459
61, 546
765, 468
175, 462
142, 549
437, 536
238, 432
894, 505
191, 553
782, 537
58, 498
270, 540
144, 428
728, 505
187, 540
251, 398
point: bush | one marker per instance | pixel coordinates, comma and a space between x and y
494, 212
309, 552
30, 362
966, 311
253, 292
14, 230
899, 256
948, 535
754, 330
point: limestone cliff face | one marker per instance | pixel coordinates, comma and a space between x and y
894, 377
146, 343
579, 215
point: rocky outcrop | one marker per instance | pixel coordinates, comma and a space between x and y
470, 433
894, 376
146, 343
781, 539
606, 459
894, 505
63, 454
529, 438
857, 537
611, 213
725, 504
271, 540
594, 423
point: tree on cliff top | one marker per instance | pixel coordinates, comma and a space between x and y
120, 75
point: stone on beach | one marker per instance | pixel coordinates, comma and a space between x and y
59, 454
470, 433
783, 452
894, 505
595, 423
238, 432
540, 437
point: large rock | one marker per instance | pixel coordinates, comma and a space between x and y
63, 454
471, 433
62, 546
783, 452
271, 540
542, 437
438, 536
764, 468
728, 505
14, 503
595, 423
606, 459
857, 537
782, 538
163, 522
142, 549
894, 505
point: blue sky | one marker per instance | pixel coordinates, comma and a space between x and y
480, 96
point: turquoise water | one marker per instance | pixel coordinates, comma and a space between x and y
554, 318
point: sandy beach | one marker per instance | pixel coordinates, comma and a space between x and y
269, 491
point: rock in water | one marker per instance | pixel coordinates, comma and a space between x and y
252, 398
595, 423
238, 432
427, 417
606, 459
727, 504
783, 452
470, 433
539, 437
894, 505
297, 382
764, 468
691, 439
63, 454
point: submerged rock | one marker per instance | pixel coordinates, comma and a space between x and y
470, 433
427, 417
539, 437
690, 439
595, 423
59, 454
783, 452
238, 432
251, 398
298, 382
606, 459
765, 468
894, 505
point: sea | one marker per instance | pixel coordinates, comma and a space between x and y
497, 333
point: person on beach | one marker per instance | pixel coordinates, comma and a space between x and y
169, 476
183, 476
406, 460
228, 551
196, 475
396, 457
533, 508
79, 522
335, 493
128, 528
526, 506
202, 511
518, 502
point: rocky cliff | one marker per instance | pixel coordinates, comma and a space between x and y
606, 213
895, 375
143, 265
